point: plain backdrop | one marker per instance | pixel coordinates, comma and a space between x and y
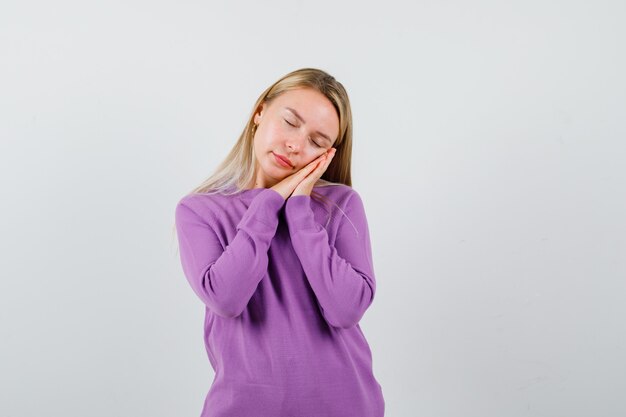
489, 150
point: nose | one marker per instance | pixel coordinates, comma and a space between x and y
296, 142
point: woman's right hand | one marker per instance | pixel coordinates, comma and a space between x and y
286, 186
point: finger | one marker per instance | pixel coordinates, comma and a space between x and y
307, 170
318, 159
328, 160
320, 168
315, 163
316, 168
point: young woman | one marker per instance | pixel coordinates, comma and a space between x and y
276, 245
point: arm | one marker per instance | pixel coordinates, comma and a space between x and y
342, 276
225, 278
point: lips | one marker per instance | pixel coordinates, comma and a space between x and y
283, 158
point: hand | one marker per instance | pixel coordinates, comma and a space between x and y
306, 185
287, 185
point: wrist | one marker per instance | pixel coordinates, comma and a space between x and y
301, 191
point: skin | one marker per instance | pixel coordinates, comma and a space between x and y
298, 143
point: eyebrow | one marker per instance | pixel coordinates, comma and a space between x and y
302, 120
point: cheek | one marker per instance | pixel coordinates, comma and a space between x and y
272, 136
306, 158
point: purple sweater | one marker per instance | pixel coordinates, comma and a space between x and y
284, 286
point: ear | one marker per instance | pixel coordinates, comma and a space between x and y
259, 114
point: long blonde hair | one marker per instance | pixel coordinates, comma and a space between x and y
237, 170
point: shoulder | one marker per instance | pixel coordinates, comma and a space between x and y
345, 205
202, 205
341, 194
195, 202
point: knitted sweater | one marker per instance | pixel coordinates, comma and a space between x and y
284, 284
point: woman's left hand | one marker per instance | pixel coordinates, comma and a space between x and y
306, 185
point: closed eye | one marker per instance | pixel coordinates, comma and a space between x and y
314, 143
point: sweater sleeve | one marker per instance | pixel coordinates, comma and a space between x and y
226, 278
341, 275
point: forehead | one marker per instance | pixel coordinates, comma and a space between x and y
314, 107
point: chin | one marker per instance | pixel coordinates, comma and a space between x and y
275, 173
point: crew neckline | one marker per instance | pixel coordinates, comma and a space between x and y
248, 194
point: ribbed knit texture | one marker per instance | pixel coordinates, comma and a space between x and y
284, 289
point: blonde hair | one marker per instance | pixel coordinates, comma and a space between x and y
237, 170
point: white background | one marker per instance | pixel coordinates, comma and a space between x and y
489, 150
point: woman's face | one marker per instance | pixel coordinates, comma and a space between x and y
298, 125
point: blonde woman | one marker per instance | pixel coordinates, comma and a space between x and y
276, 245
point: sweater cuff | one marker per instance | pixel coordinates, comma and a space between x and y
263, 209
299, 213
269, 199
